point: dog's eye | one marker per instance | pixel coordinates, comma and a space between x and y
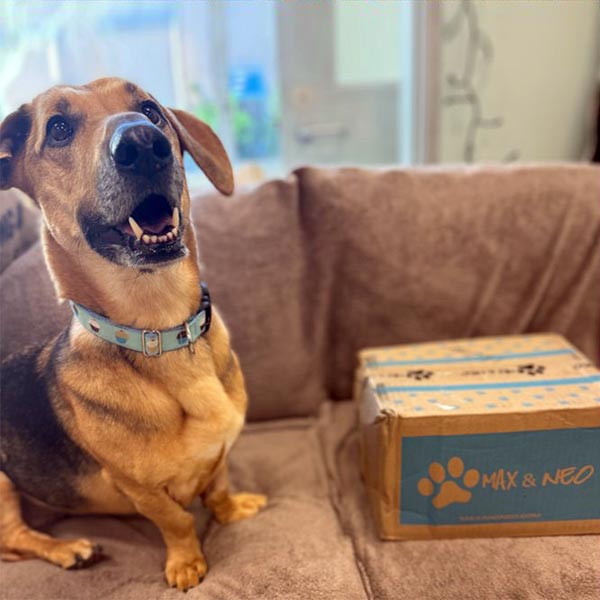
59, 130
152, 112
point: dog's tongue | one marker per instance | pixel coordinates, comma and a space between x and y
153, 216
155, 225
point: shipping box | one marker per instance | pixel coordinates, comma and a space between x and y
480, 437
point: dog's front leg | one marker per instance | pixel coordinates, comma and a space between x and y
185, 566
228, 507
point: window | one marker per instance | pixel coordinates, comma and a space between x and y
281, 83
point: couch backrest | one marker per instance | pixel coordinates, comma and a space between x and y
19, 226
308, 270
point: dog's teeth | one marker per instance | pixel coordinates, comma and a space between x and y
162, 239
170, 236
146, 238
154, 238
175, 218
136, 228
174, 232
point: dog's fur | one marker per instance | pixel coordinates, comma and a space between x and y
87, 426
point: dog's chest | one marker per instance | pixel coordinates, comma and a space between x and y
203, 446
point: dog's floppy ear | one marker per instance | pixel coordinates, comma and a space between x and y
204, 146
14, 130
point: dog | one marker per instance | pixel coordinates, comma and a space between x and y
134, 407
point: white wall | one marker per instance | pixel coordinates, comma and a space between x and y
542, 79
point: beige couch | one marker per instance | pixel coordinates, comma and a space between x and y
306, 271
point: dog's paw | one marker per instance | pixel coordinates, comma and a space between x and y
185, 573
74, 554
238, 507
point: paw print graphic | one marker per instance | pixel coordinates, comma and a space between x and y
420, 374
532, 369
448, 491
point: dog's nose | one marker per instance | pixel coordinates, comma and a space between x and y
140, 147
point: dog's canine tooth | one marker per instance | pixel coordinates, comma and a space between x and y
154, 238
146, 238
136, 228
175, 218
174, 231
170, 236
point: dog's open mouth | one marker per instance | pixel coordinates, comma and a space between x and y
153, 222
151, 235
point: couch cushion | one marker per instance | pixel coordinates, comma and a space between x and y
294, 548
254, 252
415, 255
561, 568
316, 539
19, 225
29, 310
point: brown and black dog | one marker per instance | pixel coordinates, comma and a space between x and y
89, 426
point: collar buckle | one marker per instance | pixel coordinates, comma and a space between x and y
188, 333
152, 342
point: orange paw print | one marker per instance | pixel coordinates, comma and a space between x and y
448, 492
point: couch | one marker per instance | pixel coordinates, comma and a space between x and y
19, 225
306, 271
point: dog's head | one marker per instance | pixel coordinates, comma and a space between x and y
104, 162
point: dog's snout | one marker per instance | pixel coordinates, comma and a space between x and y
141, 148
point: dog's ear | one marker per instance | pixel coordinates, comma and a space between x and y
14, 130
205, 148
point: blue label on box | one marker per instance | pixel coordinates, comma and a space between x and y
528, 476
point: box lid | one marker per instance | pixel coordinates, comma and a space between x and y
507, 374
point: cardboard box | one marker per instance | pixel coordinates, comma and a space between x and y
481, 437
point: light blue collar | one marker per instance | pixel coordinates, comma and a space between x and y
150, 342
